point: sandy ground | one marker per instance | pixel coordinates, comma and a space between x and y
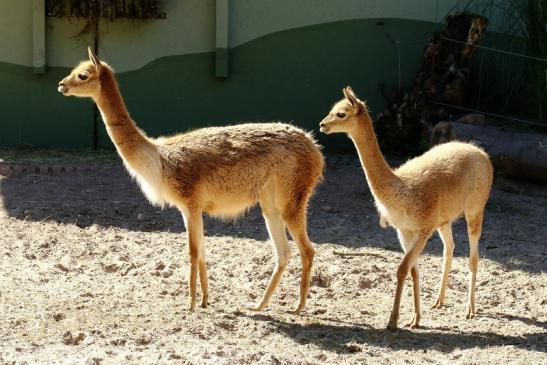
92, 274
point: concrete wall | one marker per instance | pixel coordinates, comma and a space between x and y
287, 61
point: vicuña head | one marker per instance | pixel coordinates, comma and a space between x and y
346, 115
84, 80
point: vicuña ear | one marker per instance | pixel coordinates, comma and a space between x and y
354, 101
350, 95
94, 59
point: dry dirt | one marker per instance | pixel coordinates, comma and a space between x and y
92, 274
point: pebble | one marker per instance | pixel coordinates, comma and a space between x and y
68, 339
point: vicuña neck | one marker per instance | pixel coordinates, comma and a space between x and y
123, 131
382, 180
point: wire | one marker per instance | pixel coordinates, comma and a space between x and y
497, 50
486, 113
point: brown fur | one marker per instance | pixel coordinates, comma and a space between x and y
219, 170
425, 194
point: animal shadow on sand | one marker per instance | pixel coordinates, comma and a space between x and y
105, 196
341, 212
336, 337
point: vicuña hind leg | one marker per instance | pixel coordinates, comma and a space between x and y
276, 229
415, 322
297, 229
203, 279
474, 229
445, 232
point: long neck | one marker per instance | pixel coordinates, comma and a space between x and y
382, 180
127, 137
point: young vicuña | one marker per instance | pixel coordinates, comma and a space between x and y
425, 194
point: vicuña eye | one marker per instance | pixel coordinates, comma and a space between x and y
341, 115
82, 77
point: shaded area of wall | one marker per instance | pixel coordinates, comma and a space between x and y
294, 75
33, 112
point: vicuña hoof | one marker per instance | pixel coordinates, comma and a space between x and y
470, 314
191, 306
392, 326
438, 304
414, 323
255, 308
204, 304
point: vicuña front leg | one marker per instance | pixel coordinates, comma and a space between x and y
276, 229
297, 229
194, 229
402, 272
445, 232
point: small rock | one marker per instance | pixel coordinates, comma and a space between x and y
365, 283
110, 268
166, 273
144, 340
94, 361
321, 279
62, 267
118, 342
226, 325
176, 293
140, 217
353, 348
326, 208
174, 356
160, 265
59, 316
68, 339
321, 357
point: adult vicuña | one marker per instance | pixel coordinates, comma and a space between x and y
425, 194
218, 170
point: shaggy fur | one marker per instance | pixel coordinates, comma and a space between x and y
219, 170
425, 194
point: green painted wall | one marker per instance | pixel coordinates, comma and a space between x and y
293, 75
32, 112
287, 61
